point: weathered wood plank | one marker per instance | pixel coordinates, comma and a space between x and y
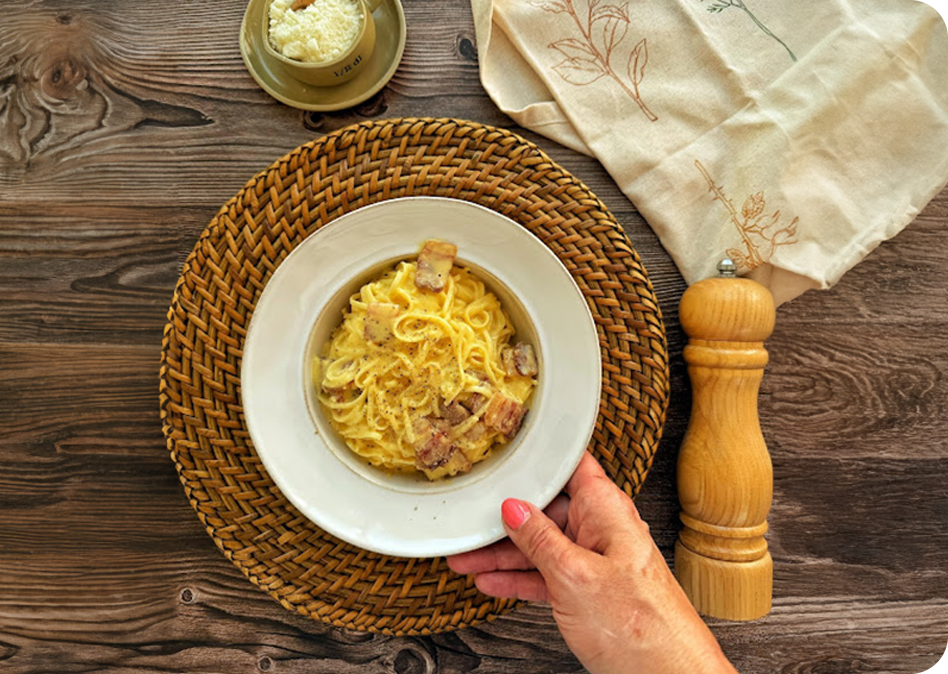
53, 393
47, 490
820, 638
168, 609
834, 519
831, 397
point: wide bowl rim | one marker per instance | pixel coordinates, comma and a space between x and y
284, 479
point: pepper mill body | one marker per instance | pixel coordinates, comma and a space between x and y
725, 477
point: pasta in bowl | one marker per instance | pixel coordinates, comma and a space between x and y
422, 373
296, 392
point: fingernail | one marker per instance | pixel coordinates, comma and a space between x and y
514, 512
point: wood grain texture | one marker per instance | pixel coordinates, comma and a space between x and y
124, 127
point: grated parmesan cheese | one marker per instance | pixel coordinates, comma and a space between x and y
319, 32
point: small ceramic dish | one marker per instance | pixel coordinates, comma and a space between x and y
273, 76
405, 514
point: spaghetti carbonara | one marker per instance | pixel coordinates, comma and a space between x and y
422, 374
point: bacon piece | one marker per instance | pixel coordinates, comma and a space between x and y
525, 360
431, 444
507, 359
476, 432
475, 403
434, 453
379, 321
457, 462
434, 264
456, 413
504, 415
442, 425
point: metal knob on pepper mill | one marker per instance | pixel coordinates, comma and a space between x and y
725, 477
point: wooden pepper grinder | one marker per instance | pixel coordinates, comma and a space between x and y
725, 478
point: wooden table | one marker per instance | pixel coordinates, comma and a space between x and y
123, 128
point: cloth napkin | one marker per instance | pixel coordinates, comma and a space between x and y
792, 137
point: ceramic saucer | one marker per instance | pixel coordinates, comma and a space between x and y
269, 74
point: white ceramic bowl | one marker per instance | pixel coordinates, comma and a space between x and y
406, 515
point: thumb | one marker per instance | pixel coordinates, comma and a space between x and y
539, 539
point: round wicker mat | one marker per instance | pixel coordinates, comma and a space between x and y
277, 548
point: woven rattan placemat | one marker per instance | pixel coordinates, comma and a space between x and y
276, 547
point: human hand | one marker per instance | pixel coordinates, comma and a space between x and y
614, 599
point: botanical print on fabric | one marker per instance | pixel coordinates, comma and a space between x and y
603, 28
718, 6
760, 237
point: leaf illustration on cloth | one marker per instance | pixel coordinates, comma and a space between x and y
603, 28
718, 6
613, 33
580, 71
760, 240
754, 206
638, 59
616, 12
572, 48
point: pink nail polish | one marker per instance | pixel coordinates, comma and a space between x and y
514, 512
